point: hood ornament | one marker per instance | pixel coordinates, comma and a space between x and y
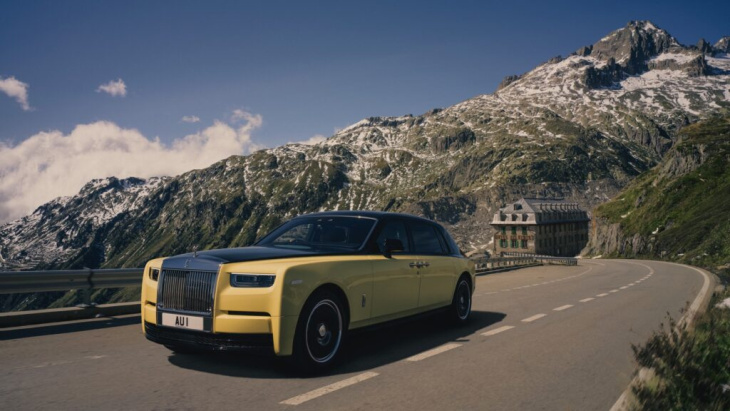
195, 251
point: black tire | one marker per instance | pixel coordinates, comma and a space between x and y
461, 303
320, 332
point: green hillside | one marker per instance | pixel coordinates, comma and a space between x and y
679, 210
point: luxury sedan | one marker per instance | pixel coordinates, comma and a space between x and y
302, 287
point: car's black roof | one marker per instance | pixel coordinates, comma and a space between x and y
362, 213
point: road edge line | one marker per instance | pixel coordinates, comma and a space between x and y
621, 403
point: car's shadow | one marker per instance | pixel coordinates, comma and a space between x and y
363, 350
40, 330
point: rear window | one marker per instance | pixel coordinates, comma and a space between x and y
426, 239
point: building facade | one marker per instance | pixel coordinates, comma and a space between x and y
540, 226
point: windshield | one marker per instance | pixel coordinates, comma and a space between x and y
321, 233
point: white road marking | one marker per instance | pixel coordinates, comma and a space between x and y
498, 330
61, 362
624, 287
585, 300
613, 291
602, 295
435, 351
561, 308
299, 399
533, 318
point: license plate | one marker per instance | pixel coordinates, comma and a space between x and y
182, 321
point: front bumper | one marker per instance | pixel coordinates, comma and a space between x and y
199, 340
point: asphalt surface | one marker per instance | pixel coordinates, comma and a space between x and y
541, 338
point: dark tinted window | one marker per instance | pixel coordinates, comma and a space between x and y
320, 233
395, 230
450, 243
425, 239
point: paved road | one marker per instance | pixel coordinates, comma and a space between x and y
548, 338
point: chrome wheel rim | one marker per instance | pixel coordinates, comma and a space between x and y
323, 331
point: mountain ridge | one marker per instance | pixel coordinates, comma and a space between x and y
561, 129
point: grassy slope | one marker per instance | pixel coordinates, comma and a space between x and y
691, 211
692, 367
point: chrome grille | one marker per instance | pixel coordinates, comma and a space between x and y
189, 291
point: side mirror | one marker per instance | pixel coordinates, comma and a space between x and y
392, 245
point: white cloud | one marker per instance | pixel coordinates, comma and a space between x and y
191, 119
16, 89
315, 139
50, 164
114, 88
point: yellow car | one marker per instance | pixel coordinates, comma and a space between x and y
304, 285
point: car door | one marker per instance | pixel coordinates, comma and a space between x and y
395, 282
436, 266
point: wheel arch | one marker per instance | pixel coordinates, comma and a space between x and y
466, 275
337, 290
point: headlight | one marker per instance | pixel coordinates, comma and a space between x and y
154, 274
252, 280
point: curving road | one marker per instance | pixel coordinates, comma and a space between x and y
549, 338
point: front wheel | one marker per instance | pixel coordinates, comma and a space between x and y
319, 332
461, 303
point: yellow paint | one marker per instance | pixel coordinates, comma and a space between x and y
392, 289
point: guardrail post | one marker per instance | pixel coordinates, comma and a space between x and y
86, 297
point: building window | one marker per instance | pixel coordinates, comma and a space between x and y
503, 243
514, 229
514, 244
524, 230
524, 243
504, 230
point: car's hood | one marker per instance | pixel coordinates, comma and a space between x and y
210, 260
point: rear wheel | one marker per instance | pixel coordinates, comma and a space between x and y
320, 331
461, 303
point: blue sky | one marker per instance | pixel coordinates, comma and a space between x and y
260, 74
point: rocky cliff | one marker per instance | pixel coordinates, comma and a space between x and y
679, 209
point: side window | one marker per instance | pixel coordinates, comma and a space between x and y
426, 239
394, 230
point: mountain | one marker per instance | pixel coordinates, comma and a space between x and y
580, 127
679, 209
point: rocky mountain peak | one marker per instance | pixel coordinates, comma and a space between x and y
704, 47
633, 44
723, 45
101, 185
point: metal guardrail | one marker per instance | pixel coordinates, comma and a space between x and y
545, 258
484, 265
12, 282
